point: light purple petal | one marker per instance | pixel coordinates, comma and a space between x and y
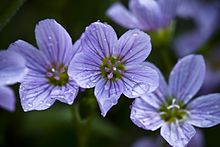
205, 17
187, 77
77, 46
12, 67
177, 134
35, 93
146, 142
144, 115
118, 13
54, 41
204, 111
85, 70
163, 91
139, 79
100, 39
168, 10
35, 60
197, 140
107, 94
7, 98
148, 12
65, 94
134, 46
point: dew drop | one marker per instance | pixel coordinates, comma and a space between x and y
49, 37
139, 89
135, 34
30, 105
48, 104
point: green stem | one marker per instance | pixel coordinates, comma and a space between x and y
9, 10
82, 126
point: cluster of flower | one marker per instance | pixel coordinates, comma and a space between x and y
114, 67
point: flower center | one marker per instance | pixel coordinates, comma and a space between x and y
57, 75
112, 68
172, 110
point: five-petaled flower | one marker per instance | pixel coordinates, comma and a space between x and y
47, 79
113, 66
144, 14
172, 108
12, 70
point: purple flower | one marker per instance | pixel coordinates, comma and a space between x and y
144, 14
205, 17
113, 66
47, 79
172, 108
196, 141
12, 70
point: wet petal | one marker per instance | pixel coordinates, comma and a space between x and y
177, 134
35, 93
107, 94
7, 99
35, 60
144, 115
163, 90
147, 12
118, 13
54, 41
139, 79
187, 77
134, 46
65, 94
12, 67
204, 111
100, 39
85, 70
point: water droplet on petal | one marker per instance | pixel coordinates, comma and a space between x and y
139, 89
30, 105
135, 34
48, 104
49, 37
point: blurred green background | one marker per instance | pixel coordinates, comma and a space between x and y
61, 125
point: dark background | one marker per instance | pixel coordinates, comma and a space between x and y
59, 125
